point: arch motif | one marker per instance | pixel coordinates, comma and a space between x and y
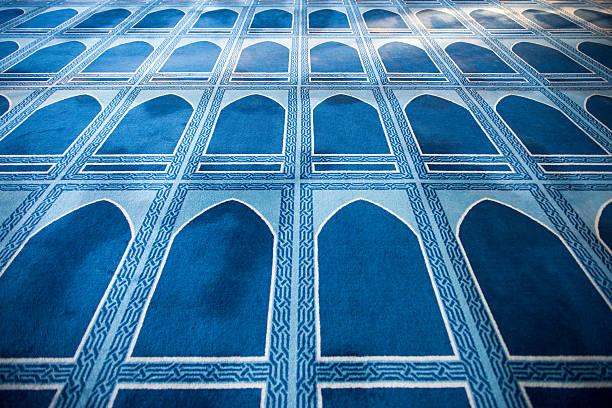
546, 130
547, 60
165, 117
215, 282
50, 59
399, 57
49, 19
600, 106
105, 19
492, 20
549, 21
222, 18
328, 18
375, 295
167, 18
265, 56
439, 20
57, 280
332, 56
253, 124
443, 127
199, 56
600, 19
541, 299
471, 58
273, 18
601, 53
379, 18
121, 58
51, 129
336, 130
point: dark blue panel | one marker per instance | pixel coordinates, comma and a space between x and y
493, 20
266, 56
121, 58
57, 280
26, 398
273, 18
471, 58
251, 125
53, 128
4, 104
547, 60
604, 226
327, 18
7, 48
544, 129
153, 127
548, 21
199, 56
599, 52
600, 107
346, 125
49, 59
188, 398
400, 57
333, 56
105, 19
213, 294
394, 397
375, 293
223, 18
49, 20
167, 18
9, 14
601, 20
443, 127
378, 18
438, 20
541, 299
587, 397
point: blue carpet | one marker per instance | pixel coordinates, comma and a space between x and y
306, 203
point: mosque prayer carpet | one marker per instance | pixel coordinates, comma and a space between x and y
317, 203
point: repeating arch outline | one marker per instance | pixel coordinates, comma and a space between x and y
159, 272
102, 300
223, 106
597, 217
387, 42
458, 104
133, 106
339, 41
554, 107
585, 107
382, 124
486, 304
453, 357
49, 103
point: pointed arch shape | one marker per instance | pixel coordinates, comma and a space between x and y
5, 104
490, 19
547, 60
50, 19
221, 18
199, 56
51, 129
535, 333
472, 58
380, 18
272, 18
105, 19
328, 18
264, 56
400, 57
9, 14
50, 265
603, 220
167, 18
549, 21
334, 56
601, 53
435, 122
600, 107
126, 57
167, 116
336, 132
546, 130
7, 48
253, 124
598, 18
439, 20
50, 59
207, 346
378, 340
